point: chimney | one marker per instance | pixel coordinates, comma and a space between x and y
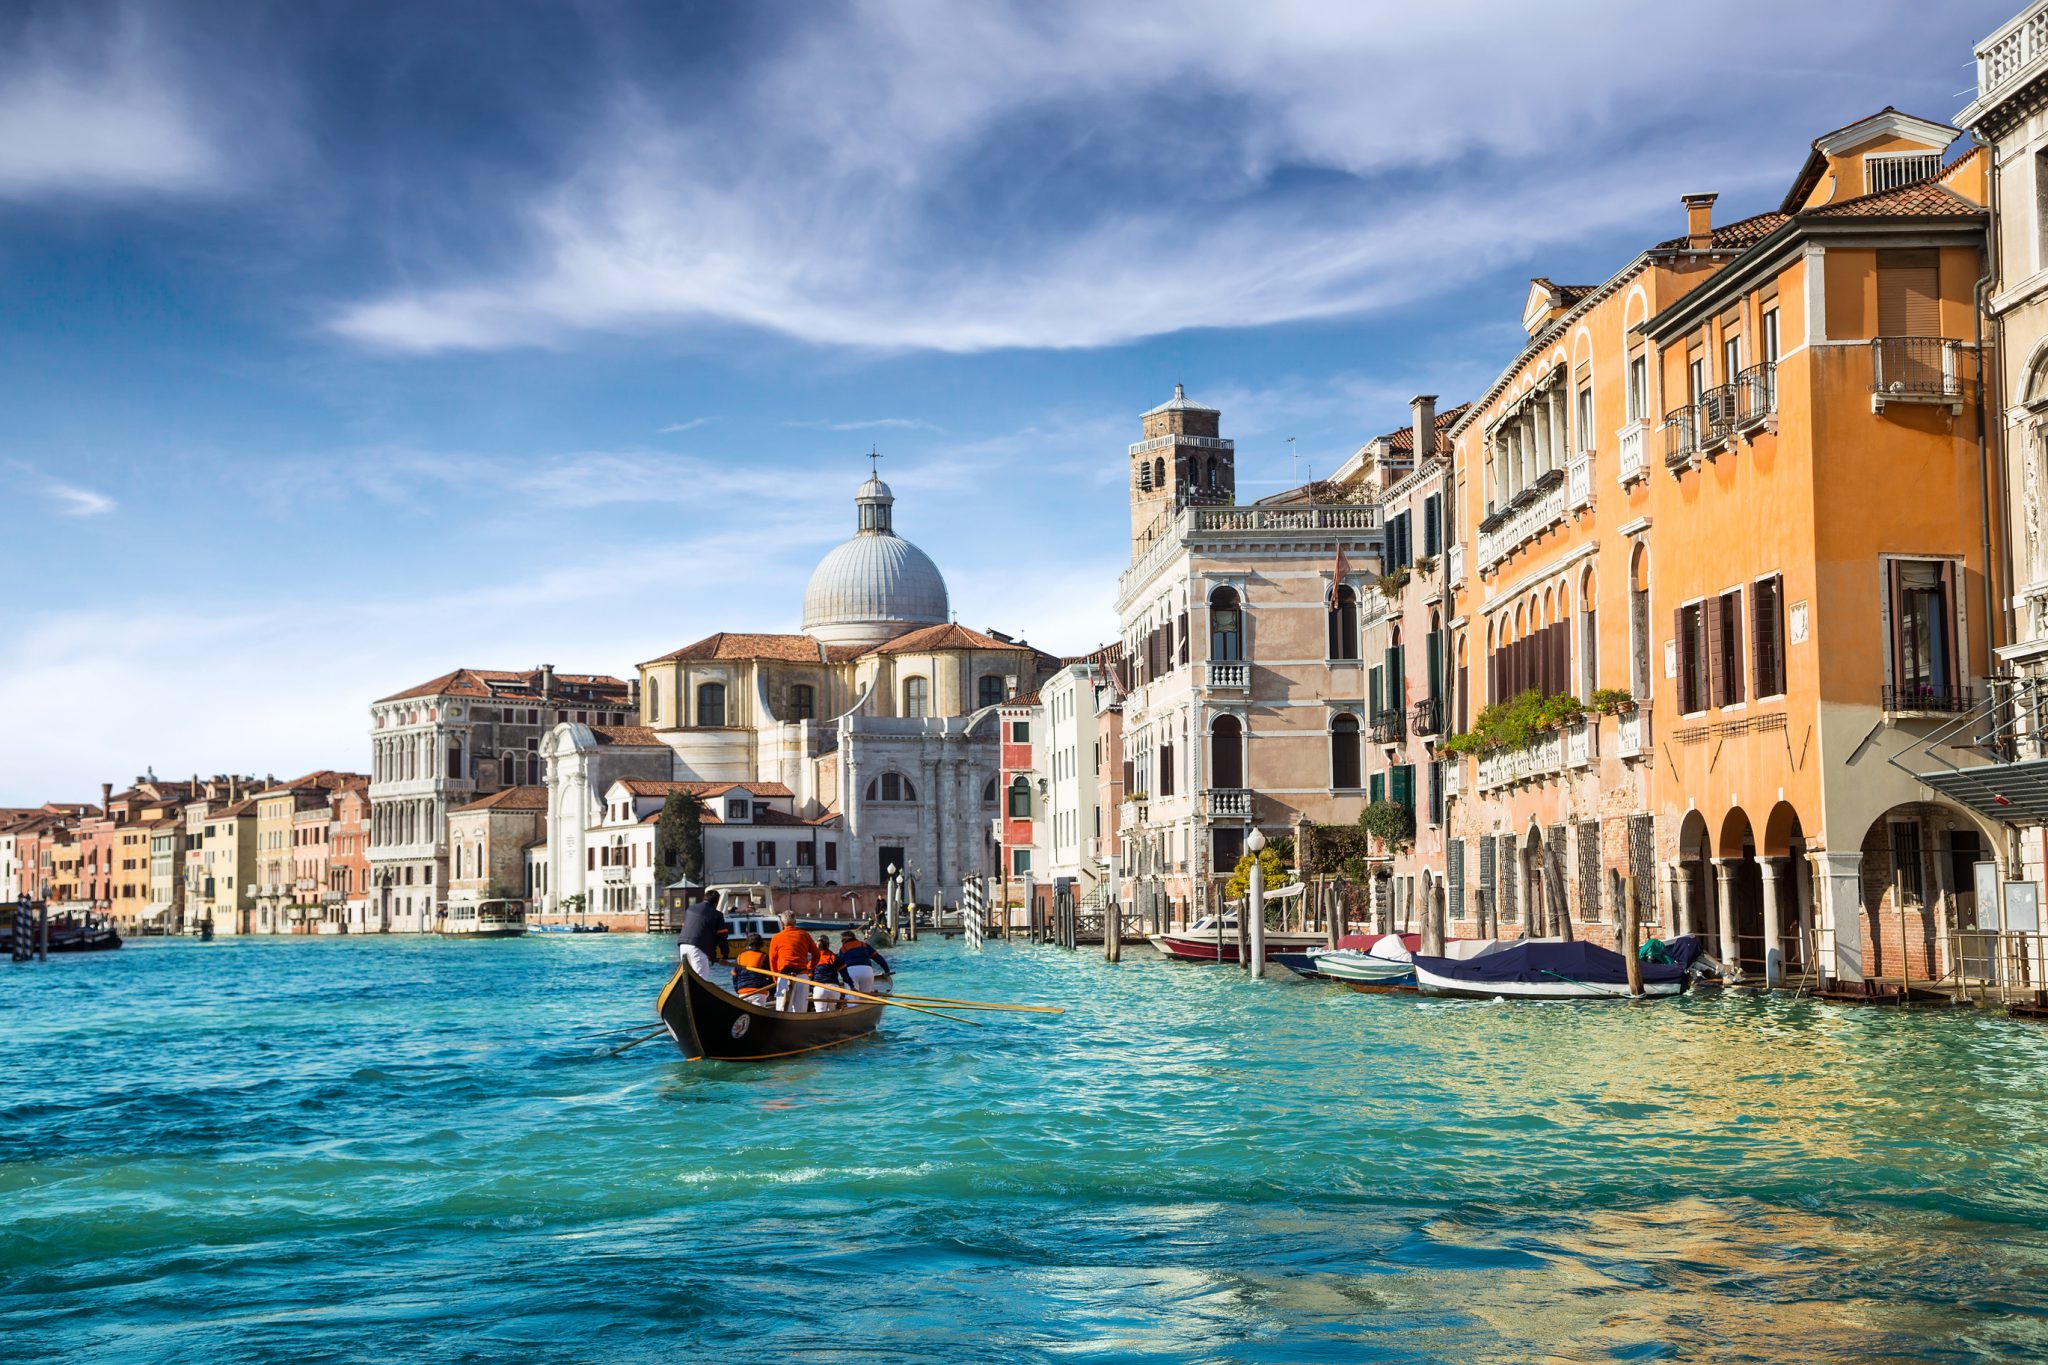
1423, 406
633, 694
1699, 221
547, 681
106, 798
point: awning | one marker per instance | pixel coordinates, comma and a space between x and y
155, 912
2016, 793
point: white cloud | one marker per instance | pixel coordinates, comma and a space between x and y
1100, 173
102, 107
73, 501
676, 428
868, 424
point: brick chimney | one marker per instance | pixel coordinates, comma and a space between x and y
1699, 220
106, 798
1423, 406
547, 681
633, 694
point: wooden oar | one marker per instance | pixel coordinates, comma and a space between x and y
628, 1047
978, 1004
860, 995
617, 1032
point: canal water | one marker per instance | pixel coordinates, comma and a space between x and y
378, 1149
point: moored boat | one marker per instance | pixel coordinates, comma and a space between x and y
485, 919
1541, 969
1210, 939
710, 1024
1384, 961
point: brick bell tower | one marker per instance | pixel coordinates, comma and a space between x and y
1181, 460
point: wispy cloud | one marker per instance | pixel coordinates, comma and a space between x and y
1103, 173
867, 424
677, 428
73, 501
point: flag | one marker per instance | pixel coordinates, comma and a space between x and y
1337, 578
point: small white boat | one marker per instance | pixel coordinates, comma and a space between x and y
1388, 960
484, 919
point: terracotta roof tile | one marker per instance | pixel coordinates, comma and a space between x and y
947, 636
1921, 199
774, 819
522, 685
1404, 439
512, 798
626, 734
640, 786
728, 644
1735, 236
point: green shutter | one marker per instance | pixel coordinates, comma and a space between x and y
1434, 643
1374, 690
1403, 784
1379, 786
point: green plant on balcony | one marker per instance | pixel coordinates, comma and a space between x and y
1391, 584
1390, 823
1514, 723
1137, 798
1559, 710
1425, 565
1613, 701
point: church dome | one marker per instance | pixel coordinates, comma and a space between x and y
875, 586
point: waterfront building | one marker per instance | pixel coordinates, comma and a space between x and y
1229, 697
1685, 494
346, 898
1018, 784
1069, 833
227, 852
448, 741
488, 840
312, 845
291, 819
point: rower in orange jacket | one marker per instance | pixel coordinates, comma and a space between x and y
792, 952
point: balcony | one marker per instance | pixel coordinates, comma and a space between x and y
1454, 563
1582, 743
1681, 438
1454, 777
1923, 700
1387, 727
2006, 60
1535, 510
1229, 677
1632, 733
1196, 523
1915, 370
1541, 757
613, 875
1629, 444
1426, 717
1717, 417
1227, 803
1756, 396
1578, 481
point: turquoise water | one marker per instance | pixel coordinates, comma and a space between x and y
368, 1149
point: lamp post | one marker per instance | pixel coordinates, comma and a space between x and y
1255, 902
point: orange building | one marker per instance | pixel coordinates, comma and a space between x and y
1738, 491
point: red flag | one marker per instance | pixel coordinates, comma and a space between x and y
1337, 578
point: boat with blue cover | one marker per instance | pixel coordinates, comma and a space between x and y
1552, 969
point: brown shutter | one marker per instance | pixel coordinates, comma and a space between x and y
1731, 641
1684, 659
1766, 623
1893, 602
1717, 664
1561, 663
1909, 293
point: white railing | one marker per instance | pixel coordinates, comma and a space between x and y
1543, 756
1152, 443
1629, 445
1355, 518
2011, 52
1230, 677
1454, 776
1227, 803
1633, 733
1578, 481
1157, 553
1454, 563
1582, 742
1522, 526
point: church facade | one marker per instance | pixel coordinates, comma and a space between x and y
878, 718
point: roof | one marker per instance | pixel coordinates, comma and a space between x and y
512, 798
780, 819
1921, 199
626, 734
640, 786
523, 684
1404, 439
1180, 402
949, 636
1885, 120
245, 806
324, 780
1735, 236
728, 644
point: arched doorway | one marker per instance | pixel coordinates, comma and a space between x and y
1535, 891
1787, 895
1739, 898
1918, 886
1693, 883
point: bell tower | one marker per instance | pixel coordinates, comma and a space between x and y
1180, 461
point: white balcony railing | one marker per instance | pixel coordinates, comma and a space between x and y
1632, 739
1454, 563
1229, 677
1541, 757
1522, 525
1582, 742
1454, 776
2012, 52
1578, 481
1629, 445
1347, 518
1227, 803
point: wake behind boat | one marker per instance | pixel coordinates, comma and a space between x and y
1549, 969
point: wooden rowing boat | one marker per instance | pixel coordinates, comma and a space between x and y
710, 1024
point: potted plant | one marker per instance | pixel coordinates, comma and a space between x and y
1389, 823
1391, 584
1613, 701
1425, 565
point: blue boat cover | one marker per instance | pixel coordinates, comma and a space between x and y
1546, 963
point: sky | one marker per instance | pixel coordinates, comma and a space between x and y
346, 343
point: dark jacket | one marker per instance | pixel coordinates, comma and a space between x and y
856, 954
703, 924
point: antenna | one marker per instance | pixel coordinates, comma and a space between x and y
1295, 456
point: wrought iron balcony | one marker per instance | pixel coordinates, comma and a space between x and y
1914, 370
1924, 699
1387, 727
1681, 438
1756, 395
1426, 716
1717, 416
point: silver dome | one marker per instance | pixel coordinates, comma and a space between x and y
875, 586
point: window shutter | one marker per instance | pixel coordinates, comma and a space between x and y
1458, 697
1397, 677
1909, 293
1432, 534
1181, 628
1895, 605
1401, 786
1129, 772
1717, 671
1434, 644
1766, 645
1561, 663
1374, 690
1731, 644
1684, 660
1378, 790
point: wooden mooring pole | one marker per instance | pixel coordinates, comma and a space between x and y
1632, 933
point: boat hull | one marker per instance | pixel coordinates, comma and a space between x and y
710, 1024
1205, 948
1431, 983
1345, 964
516, 931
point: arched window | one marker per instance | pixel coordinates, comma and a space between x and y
1639, 624
711, 704
803, 702
1212, 474
1159, 472
990, 692
917, 698
988, 792
1344, 768
1226, 752
1344, 625
891, 787
1226, 625
653, 700
1589, 637
1020, 798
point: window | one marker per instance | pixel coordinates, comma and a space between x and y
1344, 624
1695, 378
988, 792
1020, 861
1909, 293
1724, 648
1159, 473
1226, 626
1923, 646
739, 853
1889, 170
737, 809
1401, 787
1436, 793
1020, 732
1226, 753
1691, 633
455, 761
917, 698
1020, 798
1585, 416
1432, 525
891, 787
1770, 335
760, 811
1767, 635
1638, 387
1344, 766
803, 702
764, 853
1399, 545
653, 699
831, 857
990, 690
711, 704
806, 856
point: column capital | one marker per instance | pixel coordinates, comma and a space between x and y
1836, 864
1769, 867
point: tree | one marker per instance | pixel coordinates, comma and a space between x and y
1240, 882
679, 835
1390, 822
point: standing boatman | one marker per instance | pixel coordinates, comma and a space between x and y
792, 952
704, 928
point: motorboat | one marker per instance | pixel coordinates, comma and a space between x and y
484, 919
1213, 938
1551, 969
1386, 960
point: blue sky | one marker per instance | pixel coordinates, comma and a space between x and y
345, 343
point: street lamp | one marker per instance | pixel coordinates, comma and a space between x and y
1255, 901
